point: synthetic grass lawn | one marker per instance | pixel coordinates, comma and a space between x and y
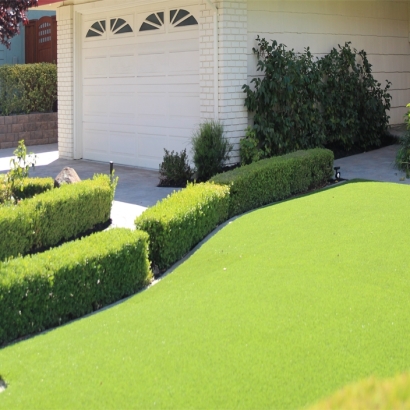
279, 309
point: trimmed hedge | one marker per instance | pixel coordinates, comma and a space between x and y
177, 223
26, 88
276, 178
34, 186
53, 216
53, 287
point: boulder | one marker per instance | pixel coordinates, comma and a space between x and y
66, 176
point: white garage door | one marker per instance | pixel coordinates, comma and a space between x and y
140, 85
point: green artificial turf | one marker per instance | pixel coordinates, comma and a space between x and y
281, 308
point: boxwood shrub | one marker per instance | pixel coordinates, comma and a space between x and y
53, 287
181, 220
276, 178
54, 216
33, 186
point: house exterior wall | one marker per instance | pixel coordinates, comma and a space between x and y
232, 67
65, 75
381, 28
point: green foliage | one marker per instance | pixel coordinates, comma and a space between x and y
174, 169
403, 154
177, 223
354, 106
54, 216
28, 187
26, 88
300, 103
285, 102
277, 178
210, 149
58, 285
12, 183
249, 150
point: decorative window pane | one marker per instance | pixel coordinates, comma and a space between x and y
182, 18
97, 29
153, 22
120, 26
190, 21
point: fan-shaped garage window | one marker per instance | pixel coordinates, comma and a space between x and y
182, 18
153, 22
120, 26
97, 29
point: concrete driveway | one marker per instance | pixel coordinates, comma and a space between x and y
137, 188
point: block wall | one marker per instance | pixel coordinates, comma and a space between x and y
34, 129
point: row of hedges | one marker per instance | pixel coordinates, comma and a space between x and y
26, 88
56, 215
276, 178
53, 287
176, 224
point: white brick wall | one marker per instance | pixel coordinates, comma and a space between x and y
233, 32
65, 75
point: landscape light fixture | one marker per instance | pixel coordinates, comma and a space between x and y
337, 172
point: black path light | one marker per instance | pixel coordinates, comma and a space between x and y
111, 170
337, 172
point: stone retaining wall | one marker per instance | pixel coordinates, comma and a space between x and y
34, 129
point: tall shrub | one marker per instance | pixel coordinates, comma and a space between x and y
354, 104
285, 100
26, 88
210, 149
299, 102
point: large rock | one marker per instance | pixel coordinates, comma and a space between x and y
66, 176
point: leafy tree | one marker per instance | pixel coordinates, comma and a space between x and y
12, 13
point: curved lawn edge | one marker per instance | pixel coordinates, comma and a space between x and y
220, 334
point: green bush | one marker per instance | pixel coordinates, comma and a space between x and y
354, 106
177, 223
210, 148
26, 88
301, 103
175, 170
285, 101
277, 178
403, 154
67, 282
53, 216
33, 186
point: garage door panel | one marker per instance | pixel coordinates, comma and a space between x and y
122, 105
96, 144
123, 143
183, 105
95, 67
122, 65
183, 61
151, 63
152, 104
95, 104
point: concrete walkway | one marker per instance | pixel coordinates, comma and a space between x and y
136, 190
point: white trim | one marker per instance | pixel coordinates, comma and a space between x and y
216, 60
77, 91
